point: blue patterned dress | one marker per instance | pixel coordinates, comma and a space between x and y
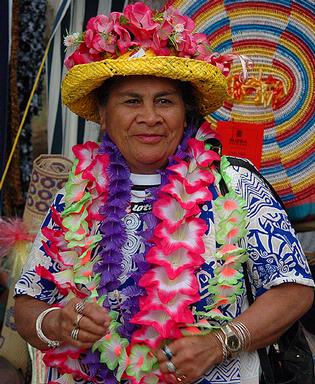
275, 257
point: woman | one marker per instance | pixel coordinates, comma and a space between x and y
137, 272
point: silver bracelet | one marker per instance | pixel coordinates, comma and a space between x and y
39, 331
243, 332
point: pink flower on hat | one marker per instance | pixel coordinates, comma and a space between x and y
124, 41
100, 23
141, 21
81, 56
98, 36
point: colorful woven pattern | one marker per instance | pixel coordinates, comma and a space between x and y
279, 37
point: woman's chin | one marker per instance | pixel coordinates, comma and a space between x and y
148, 164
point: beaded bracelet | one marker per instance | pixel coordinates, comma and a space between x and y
39, 331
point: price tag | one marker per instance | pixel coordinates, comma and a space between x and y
242, 140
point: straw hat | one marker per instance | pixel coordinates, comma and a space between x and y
140, 41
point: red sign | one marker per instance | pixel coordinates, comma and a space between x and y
242, 140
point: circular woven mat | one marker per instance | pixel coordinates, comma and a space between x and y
279, 37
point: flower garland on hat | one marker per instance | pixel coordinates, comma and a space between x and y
97, 190
165, 33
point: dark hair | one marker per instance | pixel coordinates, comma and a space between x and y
187, 91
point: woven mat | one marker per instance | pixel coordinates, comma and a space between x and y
280, 39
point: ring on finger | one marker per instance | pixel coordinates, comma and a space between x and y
181, 378
77, 320
75, 333
170, 366
79, 307
167, 352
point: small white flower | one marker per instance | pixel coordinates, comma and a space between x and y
178, 37
179, 28
71, 40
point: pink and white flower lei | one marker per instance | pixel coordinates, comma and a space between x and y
178, 251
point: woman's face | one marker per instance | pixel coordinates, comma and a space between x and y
145, 117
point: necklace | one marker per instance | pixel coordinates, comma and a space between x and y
165, 282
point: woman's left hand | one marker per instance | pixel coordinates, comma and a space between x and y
192, 356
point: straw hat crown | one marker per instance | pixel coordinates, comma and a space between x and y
140, 41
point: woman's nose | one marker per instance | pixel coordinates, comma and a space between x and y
149, 114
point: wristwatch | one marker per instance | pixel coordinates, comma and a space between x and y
232, 341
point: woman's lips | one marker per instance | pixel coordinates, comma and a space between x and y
149, 139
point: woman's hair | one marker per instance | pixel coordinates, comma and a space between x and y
187, 91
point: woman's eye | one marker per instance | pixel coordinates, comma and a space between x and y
132, 101
164, 101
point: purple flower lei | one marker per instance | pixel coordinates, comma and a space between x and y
113, 233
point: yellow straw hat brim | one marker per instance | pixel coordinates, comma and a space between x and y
80, 83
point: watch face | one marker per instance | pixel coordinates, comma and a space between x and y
233, 343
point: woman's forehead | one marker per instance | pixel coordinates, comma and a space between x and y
136, 83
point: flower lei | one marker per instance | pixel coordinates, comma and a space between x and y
167, 288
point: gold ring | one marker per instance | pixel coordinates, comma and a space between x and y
180, 377
77, 320
75, 333
79, 307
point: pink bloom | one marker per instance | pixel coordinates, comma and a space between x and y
100, 23
186, 45
65, 358
203, 157
93, 209
193, 178
175, 262
158, 319
97, 172
187, 200
124, 41
159, 46
205, 132
188, 235
56, 216
164, 31
100, 42
203, 49
56, 237
167, 288
85, 153
81, 56
64, 258
63, 280
168, 209
141, 22
147, 335
173, 16
178, 307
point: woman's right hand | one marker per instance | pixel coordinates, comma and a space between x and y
92, 324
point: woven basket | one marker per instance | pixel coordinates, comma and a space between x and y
50, 172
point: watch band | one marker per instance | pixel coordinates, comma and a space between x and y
232, 341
